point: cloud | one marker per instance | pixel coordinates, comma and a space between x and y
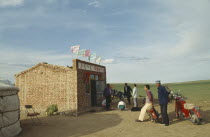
15, 60
16, 65
183, 54
190, 21
51, 1
165, 40
131, 58
8, 3
65, 2
95, 4
108, 61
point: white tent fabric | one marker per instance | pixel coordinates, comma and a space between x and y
7, 82
9, 110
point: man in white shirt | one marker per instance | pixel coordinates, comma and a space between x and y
135, 95
121, 105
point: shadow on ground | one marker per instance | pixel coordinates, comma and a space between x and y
205, 116
67, 126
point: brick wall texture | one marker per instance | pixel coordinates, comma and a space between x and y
45, 84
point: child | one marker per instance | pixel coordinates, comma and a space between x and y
121, 105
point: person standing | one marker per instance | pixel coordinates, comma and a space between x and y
127, 92
135, 96
148, 103
107, 95
163, 101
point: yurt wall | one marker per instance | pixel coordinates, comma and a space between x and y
9, 110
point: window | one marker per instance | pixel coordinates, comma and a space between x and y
96, 77
92, 77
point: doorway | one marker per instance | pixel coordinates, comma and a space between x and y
93, 93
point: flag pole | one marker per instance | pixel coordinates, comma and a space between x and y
72, 55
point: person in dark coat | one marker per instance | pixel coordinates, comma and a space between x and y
107, 95
163, 101
127, 92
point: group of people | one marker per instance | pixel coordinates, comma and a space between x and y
149, 100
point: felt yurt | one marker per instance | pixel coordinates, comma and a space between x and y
9, 110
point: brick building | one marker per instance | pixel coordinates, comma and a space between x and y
74, 89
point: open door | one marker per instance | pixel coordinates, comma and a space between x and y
93, 93
100, 86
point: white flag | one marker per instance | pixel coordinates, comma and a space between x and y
75, 49
98, 59
93, 56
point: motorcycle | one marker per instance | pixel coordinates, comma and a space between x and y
118, 94
186, 111
152, 113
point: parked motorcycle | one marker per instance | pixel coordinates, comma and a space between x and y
118, 94
186, 111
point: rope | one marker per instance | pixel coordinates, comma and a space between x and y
8, 111
9, 124
7, 95
2, 112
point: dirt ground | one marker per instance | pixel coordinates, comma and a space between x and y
115, 124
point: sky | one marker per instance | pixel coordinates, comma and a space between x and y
140, 41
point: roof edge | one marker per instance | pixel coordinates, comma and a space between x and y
45, 65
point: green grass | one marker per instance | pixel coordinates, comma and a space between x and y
196, 91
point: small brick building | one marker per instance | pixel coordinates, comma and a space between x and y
73, 89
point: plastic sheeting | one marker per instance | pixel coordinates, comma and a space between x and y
9, 110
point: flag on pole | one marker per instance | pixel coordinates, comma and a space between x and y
98, 59
81, 52
75, 49
93, 56
87, 53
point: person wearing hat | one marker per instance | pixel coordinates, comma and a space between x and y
163, 101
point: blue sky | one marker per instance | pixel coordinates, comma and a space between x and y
139, 40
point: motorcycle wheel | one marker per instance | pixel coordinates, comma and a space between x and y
180, 115
150, 118
195, 120
177, 116
156, 121
177, 113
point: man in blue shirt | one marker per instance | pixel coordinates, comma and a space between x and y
163, 101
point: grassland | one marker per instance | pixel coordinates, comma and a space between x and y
196, 91
122, 123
